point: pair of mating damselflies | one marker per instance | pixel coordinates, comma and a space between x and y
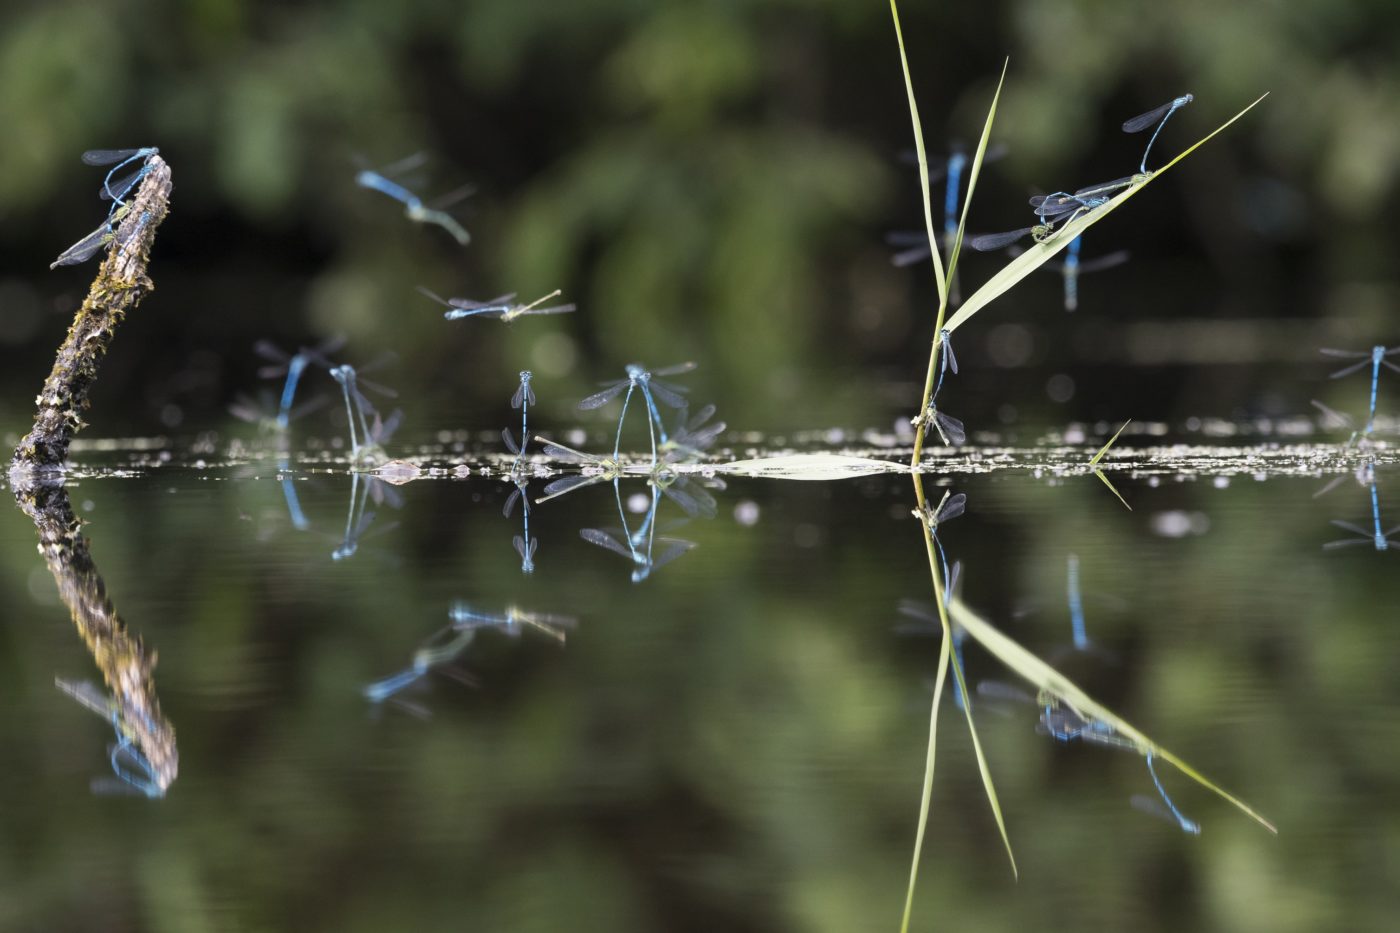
1065, 724
639, 378
366, 444
640, 545
504, 307
414, 208
1054, 211
358, 518
112, 190
1063, 207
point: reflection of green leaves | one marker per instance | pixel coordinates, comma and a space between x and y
1045, 678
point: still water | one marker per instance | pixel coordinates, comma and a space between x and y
734, 742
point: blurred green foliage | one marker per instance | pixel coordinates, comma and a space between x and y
739, 745
707, 181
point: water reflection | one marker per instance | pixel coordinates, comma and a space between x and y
144, 758
1365, 477
363, 488
442, 651
436, 653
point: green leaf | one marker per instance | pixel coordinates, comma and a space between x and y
923, 161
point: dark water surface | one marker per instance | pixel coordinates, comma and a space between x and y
736, 742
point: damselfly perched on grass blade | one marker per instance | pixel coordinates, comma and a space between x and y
1157, 116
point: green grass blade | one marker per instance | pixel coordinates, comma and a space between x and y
1099, 456
977, 160
943, 657
1104, 449
923, 162
1044, 677
1040, 253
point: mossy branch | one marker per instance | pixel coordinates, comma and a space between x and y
120, 285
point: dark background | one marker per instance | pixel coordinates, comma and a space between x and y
708, 182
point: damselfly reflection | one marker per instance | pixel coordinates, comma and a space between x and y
1376, 357
414, 208
926, 622
1064, 724
524, 545
512, 622
436, 653
1373, 536
934, 516
292, 366
357, 518
135, 774
639, 377
640, 546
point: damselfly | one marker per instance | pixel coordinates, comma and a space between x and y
989, 242
292, 366
1376, 357
414, 208
638, 377
950, 430
948, 362
1072, 268
594, 469
88, 246
364, 445
118, 159
693, 436
504, 307
1158, 117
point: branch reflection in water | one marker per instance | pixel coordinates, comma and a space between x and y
143, 758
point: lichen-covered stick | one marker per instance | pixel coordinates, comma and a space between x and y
120, 285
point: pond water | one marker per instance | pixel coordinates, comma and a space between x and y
732, 739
